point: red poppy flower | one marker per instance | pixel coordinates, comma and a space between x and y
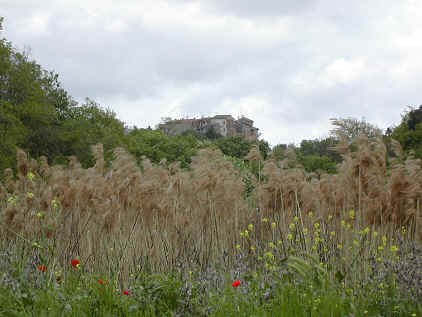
58, 278
76, 263
236, 283
101, 281
126, 293
42, 268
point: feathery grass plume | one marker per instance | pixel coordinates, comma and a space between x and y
9, 180
254, 154
161, 217
22, 163
9, 214
3, 194
98, 153
43, 168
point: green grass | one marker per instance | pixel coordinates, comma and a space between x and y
295, 286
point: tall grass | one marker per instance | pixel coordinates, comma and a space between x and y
358, 229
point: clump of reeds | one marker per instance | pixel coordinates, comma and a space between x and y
159, 217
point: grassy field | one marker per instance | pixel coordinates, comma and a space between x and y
158, 240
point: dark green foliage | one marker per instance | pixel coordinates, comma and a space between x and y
28, 100
409, 131
264, 148
315, 155
317, 163
318, 155
156, 146
88, 125
413, 117
234, 146
37, 115
212, 134
321, 147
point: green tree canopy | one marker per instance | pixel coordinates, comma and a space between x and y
30, 100
321, 147
409, 131
156, 146
234, 146
38, 115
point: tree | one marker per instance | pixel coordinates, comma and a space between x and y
317, 163
412, 117
87, 125
351, 128
156, 146
33, 106
264, 148
409, 131
321, 147
234, 146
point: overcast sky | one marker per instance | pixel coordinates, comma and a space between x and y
288, 65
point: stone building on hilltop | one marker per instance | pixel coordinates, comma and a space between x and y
225, 125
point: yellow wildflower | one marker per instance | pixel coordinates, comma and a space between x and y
384, 240
269, 256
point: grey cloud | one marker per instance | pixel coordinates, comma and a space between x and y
195, 70
264, 8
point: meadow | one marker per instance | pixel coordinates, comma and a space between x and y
214, 239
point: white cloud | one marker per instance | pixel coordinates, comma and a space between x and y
343, 71
37, 24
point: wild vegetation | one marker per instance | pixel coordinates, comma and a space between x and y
349, 232
189, 226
